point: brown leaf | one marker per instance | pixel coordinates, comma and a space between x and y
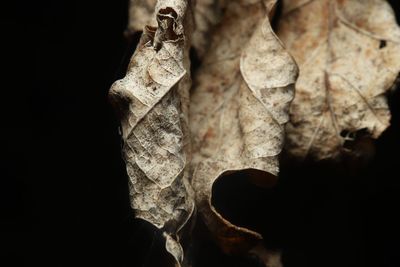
348, 52
238, 109
152, 100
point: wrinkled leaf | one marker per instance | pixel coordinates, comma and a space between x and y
152, 100
239, 107
348, 53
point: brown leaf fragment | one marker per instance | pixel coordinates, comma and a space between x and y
207, 14
141, 14
348, 53
239, 106
152, 100
270, 258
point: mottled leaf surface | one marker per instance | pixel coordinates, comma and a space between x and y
348, 52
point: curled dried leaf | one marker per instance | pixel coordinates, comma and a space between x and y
152, 100
348, 55
239, 106
207, 14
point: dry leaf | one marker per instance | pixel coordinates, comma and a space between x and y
238, 109
153, 101
348, 53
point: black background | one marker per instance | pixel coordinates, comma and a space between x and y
63, 188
